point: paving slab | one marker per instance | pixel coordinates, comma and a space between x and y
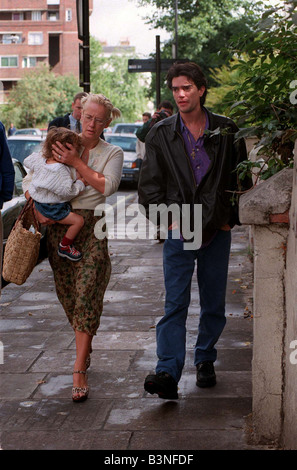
36, 410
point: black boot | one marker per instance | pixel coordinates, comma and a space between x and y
162, 384
206, 376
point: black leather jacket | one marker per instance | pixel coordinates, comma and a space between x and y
167, 176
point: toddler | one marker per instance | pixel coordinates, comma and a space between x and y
53, 185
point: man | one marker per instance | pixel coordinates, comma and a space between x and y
71, 121
146, 116
165, 109
140, 146
6, 182
11, 130
190, 159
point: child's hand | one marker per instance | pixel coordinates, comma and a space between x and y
79, 177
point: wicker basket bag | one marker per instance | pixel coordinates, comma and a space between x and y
22, 247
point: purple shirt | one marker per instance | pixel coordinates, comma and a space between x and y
199, 161
196, 151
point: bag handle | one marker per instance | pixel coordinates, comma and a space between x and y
28, 206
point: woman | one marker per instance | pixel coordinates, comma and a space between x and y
81, 286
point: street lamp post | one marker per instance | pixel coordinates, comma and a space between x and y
82, 9
176, 30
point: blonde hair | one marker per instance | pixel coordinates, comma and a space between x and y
113, 112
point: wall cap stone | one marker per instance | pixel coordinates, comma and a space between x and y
272, 196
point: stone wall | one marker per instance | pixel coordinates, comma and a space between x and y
271, 210
290, 352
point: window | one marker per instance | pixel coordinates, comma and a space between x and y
10, 38
68, 14
17, 16
36, 15
18, 179
29, 62
53, 15
35, 39
9, 61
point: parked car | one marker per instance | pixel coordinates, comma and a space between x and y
131, 164
107, 130
21, 146
12, 209
28, 131
126, 128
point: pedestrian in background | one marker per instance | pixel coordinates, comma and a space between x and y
81, 286
140, 146
189, 162
164, 110
6, 182
11, 130
71, 121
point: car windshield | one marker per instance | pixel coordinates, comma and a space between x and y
27, 132
126, 143
126, 128
20, 149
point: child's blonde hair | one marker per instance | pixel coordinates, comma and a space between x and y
60, 134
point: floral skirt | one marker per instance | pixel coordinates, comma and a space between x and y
81, 285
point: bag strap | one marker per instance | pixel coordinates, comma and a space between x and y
28, 206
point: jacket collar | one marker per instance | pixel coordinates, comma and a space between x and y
213, 124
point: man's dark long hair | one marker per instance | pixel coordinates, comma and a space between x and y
190, 70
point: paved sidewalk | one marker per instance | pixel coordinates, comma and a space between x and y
36, 410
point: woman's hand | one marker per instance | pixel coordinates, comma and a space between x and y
70, 156
65, 154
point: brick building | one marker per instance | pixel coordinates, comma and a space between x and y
34, 32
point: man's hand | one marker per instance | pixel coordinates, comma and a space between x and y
226, 227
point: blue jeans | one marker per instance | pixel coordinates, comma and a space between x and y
212, 272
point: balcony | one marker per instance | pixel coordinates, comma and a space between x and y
32, 17
11, 38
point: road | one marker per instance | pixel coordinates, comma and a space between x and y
126, 191
123, 217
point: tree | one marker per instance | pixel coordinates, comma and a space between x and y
110, 76
206, 31
205, 27
264, 102
220, 97
38, 97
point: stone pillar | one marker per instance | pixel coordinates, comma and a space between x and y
289, 440
266, 208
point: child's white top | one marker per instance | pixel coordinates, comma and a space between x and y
51, 183
106, 159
